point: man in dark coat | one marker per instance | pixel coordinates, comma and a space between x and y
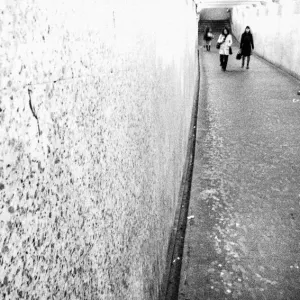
246, 46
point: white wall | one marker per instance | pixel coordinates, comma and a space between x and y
95, 109
276, 32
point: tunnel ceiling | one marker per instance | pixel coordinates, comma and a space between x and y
230, 3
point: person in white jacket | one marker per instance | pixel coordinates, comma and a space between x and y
225, 39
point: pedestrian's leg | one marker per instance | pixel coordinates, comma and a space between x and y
243, 61
225, 62
221, 60
248, 61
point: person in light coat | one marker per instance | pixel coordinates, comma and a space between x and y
225, 39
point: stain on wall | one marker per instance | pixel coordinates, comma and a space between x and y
95, 107
275, 30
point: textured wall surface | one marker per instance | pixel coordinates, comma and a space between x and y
95, 107
276, 32
214, 14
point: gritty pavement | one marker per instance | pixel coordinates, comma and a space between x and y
243, 234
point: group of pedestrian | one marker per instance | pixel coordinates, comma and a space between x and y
224, 44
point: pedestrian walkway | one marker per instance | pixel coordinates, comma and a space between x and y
243, 234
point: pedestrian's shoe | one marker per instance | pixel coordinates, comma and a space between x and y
242, 66
247, 67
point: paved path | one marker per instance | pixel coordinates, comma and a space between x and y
244, 240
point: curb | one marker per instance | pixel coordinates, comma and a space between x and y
176, 245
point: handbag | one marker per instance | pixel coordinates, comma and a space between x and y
218, 46
230, 50
239, 55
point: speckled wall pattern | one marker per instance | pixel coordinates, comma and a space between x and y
95, 107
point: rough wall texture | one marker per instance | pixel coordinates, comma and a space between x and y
214, 14
95, 107
276, 32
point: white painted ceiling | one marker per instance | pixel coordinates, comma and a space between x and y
230, 3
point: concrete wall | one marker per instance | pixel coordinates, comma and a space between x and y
214, 14
276, 32
95, 107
